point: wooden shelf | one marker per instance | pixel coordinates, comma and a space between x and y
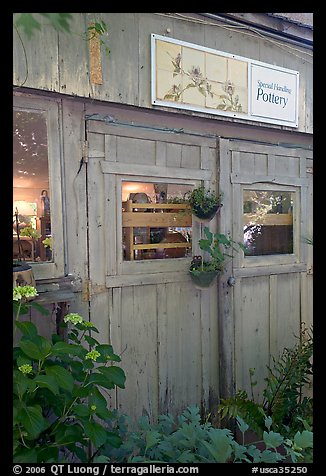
153, 215
268, 219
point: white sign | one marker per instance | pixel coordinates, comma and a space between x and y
188, 76
274, 93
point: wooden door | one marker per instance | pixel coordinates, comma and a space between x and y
164, 328
268, 296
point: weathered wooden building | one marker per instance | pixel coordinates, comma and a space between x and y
223, 100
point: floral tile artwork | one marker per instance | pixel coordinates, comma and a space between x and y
205, 80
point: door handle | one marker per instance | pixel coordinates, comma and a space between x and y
231, 281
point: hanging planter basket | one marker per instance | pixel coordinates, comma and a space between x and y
203, 279
23, 274
203, 215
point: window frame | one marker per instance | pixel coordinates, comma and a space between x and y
51, 110
149, 266
282, 258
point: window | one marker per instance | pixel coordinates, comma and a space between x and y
268, 222
156, 221
37, 203
32, 240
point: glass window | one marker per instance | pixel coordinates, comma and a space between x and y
32, 239
268, 222
156, 221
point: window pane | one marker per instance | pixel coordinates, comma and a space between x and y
268, 222
31, 192
156, 221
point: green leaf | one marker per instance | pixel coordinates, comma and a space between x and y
81, 410
220, 448
272, 439
41, 309
37, 347
99, 379
80, 453
152, 439
20, 383
95, 432
64, 349
91, 341
268, 456
67, 434
77, 370
47, 454
46, 381
32, 420
304, 439
97, 399
59, 21
113, 439
23, 455
243, 427
23, 360
268, 422
101, 459
28, 23
114, 374
27, 328
63, 378
107, 353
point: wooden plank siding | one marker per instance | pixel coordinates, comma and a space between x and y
60, 61
270, 296
164, 328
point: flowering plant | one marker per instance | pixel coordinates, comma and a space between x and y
60, 411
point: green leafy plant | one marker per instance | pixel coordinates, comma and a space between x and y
204, 202
60, 410
186, 439
29, 23
98, 29
47, 243
284, 404
30, 232
220, 249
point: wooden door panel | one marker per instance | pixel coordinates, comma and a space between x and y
163, 327
263, 312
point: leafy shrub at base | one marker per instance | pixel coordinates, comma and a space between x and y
60, 413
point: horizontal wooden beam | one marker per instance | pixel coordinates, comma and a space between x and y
261, 179
155, 171
269, 269
158, 206
130, 219
153, 246
143, 279
268, 219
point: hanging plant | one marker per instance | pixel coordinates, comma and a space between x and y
220, 249
204, 203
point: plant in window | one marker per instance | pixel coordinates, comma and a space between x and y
220, 249
22, 272
30, 232
204, 202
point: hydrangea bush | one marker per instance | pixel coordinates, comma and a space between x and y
60, 408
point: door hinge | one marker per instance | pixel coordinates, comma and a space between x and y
85, 151
89, 289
